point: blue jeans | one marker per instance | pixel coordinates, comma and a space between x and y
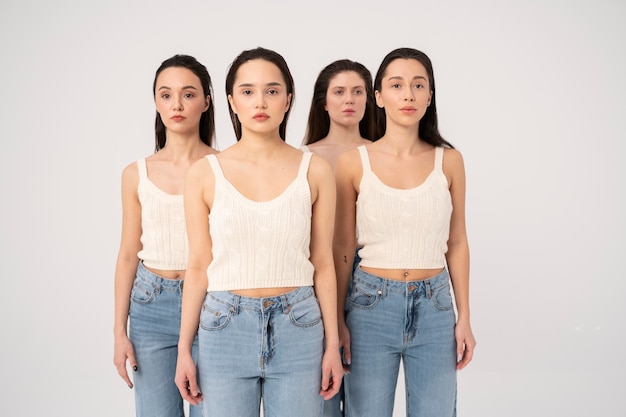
253, 348
391, 320
154, 329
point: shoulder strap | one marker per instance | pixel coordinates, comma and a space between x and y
215, 166
143, 171
305, 148
439, 158
365, 160
304, 164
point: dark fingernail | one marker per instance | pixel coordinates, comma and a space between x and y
130, 386
135, 368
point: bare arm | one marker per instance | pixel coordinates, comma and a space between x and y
198, 195
348, 172
323, 196
125, 270
458, 256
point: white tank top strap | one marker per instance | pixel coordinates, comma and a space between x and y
365, 160
143, 170
439, 158
304, 165
304, 148
215, 166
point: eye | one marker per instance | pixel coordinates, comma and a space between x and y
359, 92
272, 91
189, 95
396, 85
246, 92
418, 86
338, 92
165, 96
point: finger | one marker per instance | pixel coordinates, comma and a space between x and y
347, 354
193, 387
466, 358
121, 370
330, 392
132, 360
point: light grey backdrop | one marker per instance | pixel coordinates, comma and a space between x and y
532, 95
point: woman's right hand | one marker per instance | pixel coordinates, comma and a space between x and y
344, 344
124, 351
186, 380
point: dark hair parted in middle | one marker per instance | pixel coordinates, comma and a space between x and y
318, 124
269, 56
207, 120
428, 126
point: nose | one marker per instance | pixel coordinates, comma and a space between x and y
177, 103
409, 96
260, 101
349, 98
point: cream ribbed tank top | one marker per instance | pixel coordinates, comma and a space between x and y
260, 244
163, 231
403, 229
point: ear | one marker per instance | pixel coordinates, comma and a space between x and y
379, 100
430, 97
232, 103
207, 102
288, 102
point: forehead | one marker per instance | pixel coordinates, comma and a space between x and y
405, 68
346, 79
258, 71
174, 76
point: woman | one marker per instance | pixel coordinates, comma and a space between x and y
265, 258
153, 252
342, 110
341, 118
405, 195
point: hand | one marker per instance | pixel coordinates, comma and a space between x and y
186, 380
465, 344
332, 373
344, 344
124, 351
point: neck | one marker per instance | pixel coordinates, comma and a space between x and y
338, 134
402, 140
256, 143
181, 147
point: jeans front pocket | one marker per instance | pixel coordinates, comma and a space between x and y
442, 299
216, 314
305, 313
364, 295
142, 292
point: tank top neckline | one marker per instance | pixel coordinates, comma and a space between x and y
143, 175
367, 167
283, 194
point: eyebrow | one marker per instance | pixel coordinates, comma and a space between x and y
272, 84
164, 87
417, 77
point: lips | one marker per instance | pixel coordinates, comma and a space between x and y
178, 118
261, 116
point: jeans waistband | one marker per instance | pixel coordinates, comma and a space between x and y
278, 302
425, 286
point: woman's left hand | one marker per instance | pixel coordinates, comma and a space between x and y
465, 344
332, 373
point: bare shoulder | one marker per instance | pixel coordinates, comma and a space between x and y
130, 174
452, 159
319, 167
